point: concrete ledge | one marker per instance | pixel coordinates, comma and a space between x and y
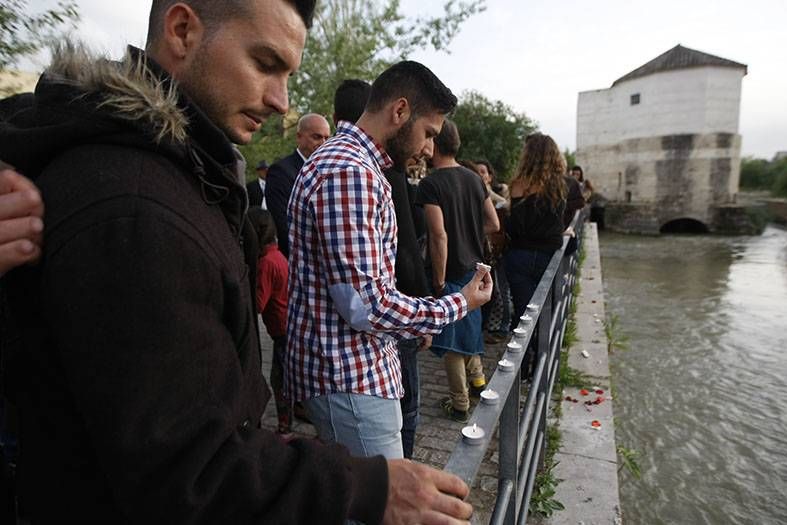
587, 461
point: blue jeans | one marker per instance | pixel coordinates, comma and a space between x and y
366, 425
524, 269
408, 356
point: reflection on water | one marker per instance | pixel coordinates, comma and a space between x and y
702, 392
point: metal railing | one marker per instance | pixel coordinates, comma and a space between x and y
522, 429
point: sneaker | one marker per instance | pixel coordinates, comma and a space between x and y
475, 391
452, 413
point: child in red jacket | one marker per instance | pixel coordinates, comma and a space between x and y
272, 305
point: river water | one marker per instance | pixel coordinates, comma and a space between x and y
701, 393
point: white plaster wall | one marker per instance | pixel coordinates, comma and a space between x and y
696, 100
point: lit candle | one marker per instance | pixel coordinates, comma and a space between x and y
532, 307
490, 397
505, 365
473, 435
526, 318
514, 347
520, 332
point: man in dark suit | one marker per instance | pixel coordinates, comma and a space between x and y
256, 188
312, 131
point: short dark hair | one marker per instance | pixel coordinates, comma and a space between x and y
350, 99
262, 222
415, 82
213, 13
580, 170
447, 142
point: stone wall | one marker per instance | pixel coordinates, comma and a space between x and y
651, 181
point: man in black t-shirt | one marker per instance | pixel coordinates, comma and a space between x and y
459, 213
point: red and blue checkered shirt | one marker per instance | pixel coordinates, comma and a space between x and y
344, 310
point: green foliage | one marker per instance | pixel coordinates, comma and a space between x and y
543, 502
754, 174
491, 130
571, 158
23, 33
360, 39
352, 39
779, 187
628, 460
615, 339
760, 174
276, 139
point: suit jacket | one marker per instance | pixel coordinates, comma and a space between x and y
255, 193
278, 186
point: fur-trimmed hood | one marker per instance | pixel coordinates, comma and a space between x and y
128, 89
82, 98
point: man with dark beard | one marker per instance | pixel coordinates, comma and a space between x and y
345, 311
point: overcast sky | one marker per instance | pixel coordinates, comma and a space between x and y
538, 55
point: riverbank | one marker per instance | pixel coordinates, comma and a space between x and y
587, 460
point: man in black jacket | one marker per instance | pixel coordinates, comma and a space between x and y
256, 188
140, 393
312, 131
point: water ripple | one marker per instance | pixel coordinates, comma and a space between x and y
701, 393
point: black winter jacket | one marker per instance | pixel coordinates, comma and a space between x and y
140, 392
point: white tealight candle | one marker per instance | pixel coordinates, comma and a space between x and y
514, 347
505, 365
520, 332
490, 397
532, 307
473, 435
526, 318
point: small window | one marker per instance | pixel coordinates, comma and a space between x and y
635, 99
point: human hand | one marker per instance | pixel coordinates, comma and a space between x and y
479, 290
421, 494
21, 221
426, 343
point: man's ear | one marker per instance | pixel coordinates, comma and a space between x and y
400, 111
183, 32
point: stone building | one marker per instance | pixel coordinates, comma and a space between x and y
662, 144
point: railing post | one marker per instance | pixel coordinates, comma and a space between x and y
544, 342
509, 449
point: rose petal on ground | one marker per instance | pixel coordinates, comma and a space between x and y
583, 392
596, 423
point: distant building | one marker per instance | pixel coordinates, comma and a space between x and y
780, 155
662, 143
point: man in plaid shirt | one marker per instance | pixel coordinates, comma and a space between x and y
345, 312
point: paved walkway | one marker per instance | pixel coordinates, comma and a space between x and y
587, 459
436, 435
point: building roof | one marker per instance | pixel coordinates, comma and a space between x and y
679, 57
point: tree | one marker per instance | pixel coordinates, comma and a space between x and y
491, 130
354, 39
22, 34
755, 174
571, 158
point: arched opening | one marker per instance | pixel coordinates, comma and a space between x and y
684, 225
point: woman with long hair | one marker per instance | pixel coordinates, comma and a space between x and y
535, 226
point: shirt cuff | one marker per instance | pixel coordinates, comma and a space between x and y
455, 306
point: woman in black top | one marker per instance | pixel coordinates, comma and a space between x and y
535, 226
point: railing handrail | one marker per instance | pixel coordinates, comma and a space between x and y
523, 431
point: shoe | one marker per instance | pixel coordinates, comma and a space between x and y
452, 413
475, 391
